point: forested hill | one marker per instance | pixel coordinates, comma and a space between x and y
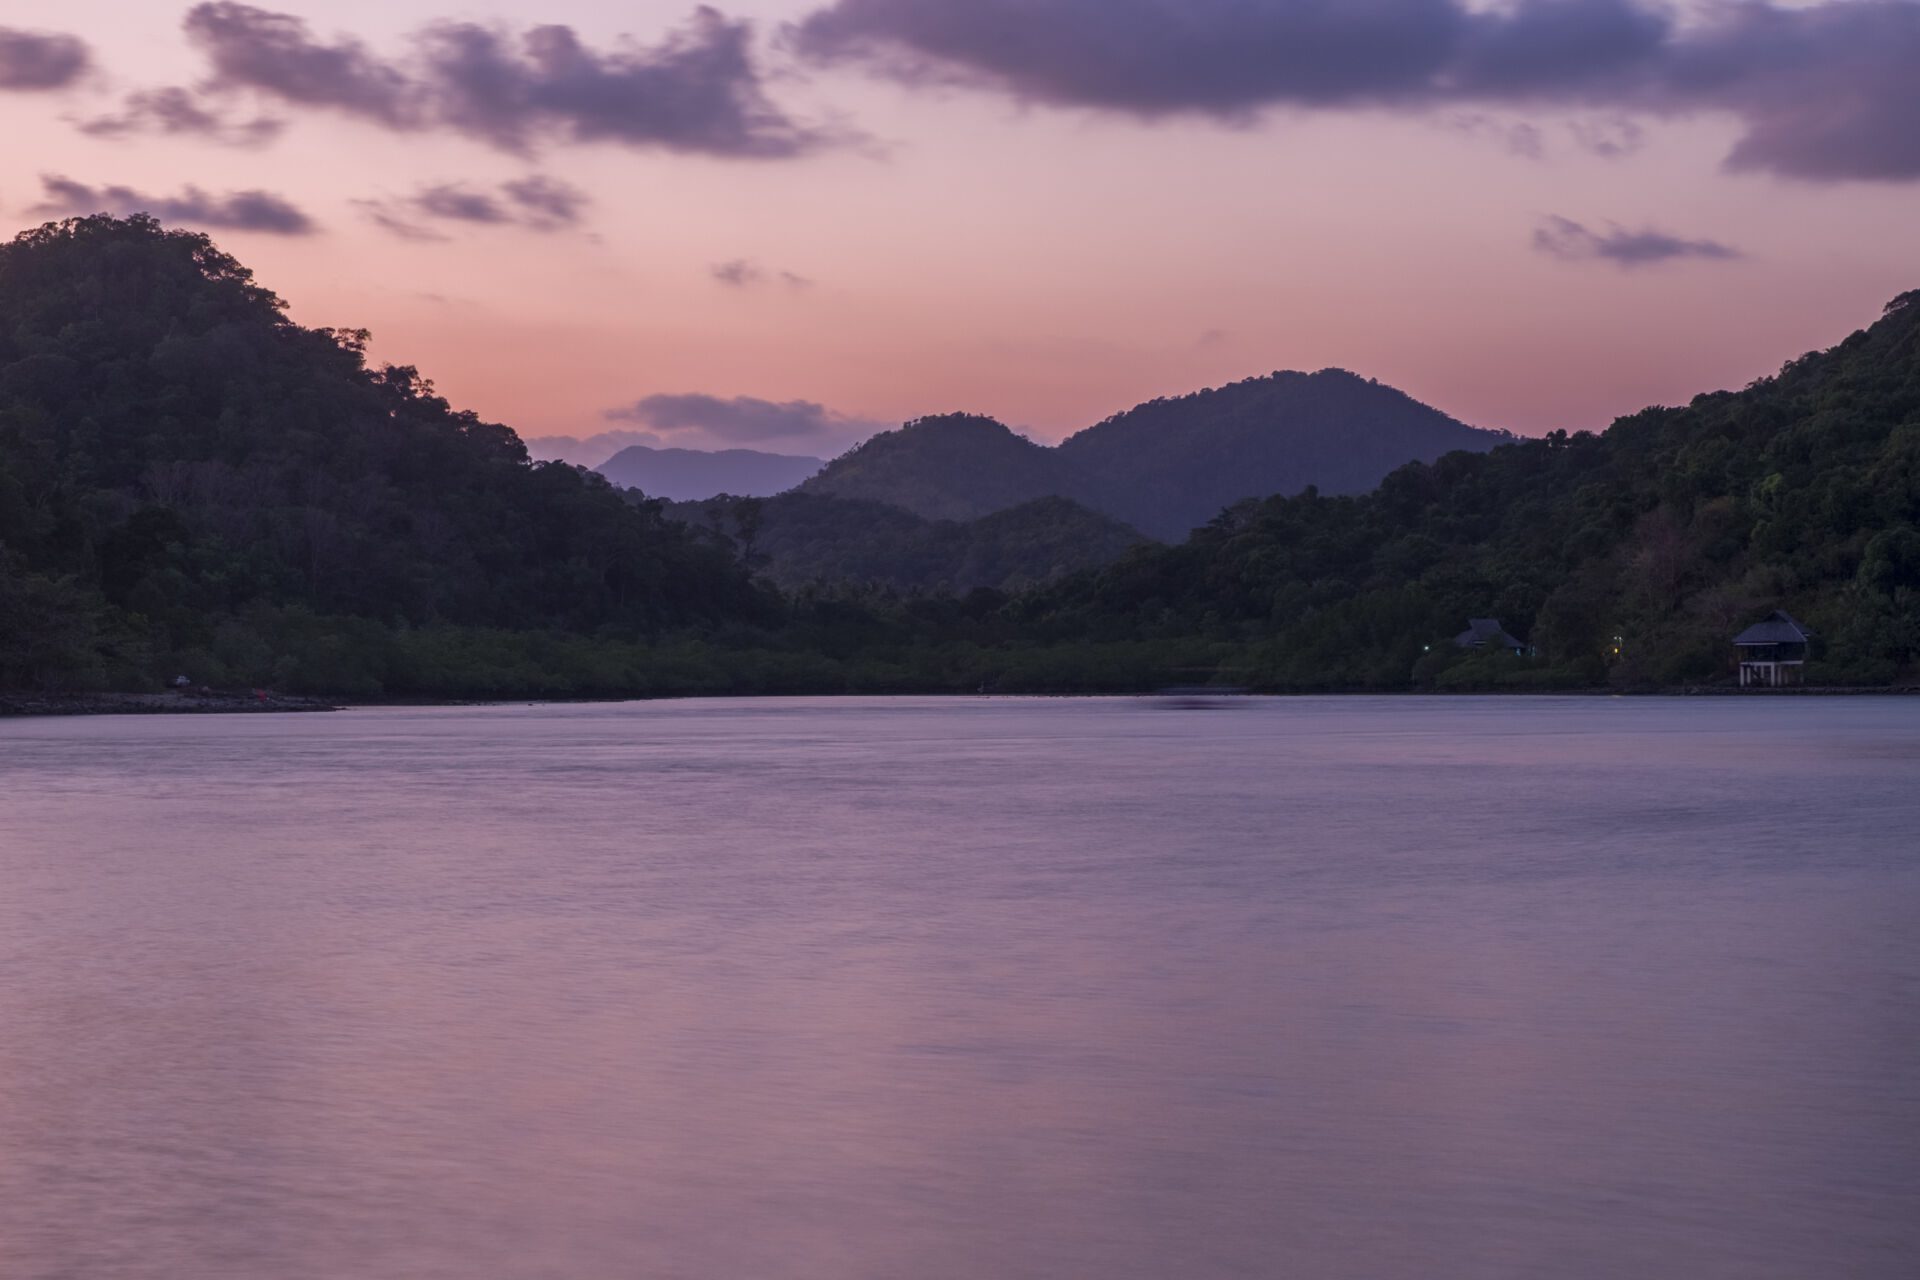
803, 539
191, 483
1166, 466
956, 466
1661, 539
190, 480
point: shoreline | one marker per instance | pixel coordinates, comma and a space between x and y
25, 705
170, 703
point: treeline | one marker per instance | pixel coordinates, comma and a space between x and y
801, 539
1629, 558
191, 484
176, 456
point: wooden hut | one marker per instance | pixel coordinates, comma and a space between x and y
1773, 652
1487, 633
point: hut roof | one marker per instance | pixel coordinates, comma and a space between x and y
1487, 631
1777, 627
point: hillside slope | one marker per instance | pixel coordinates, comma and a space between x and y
802, 539
1169, 466
1632, 557
953, 467
188, 480
1164, 467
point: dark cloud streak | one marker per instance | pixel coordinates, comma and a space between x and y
236, 211
745, 273
38, 60
534, 203
741, 419
1572, 241
738, 273
178, 112
545, 203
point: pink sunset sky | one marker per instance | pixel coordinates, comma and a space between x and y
783, 224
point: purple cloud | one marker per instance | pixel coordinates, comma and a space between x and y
546, 204
741, 419
1823, 91
38, 60
236, 211
697, 91
181, 112
1572, 241
737, 273
275, 53
744, 273
536, 203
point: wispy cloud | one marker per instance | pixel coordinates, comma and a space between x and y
175, 111
1572, 241
742, 419
260, 211
535, 203
1610, 138
745, 273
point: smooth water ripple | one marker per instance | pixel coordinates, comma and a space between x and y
818, 990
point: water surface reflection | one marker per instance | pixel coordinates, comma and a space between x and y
1333, 988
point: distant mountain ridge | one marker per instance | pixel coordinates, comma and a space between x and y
1167, 466
683, 475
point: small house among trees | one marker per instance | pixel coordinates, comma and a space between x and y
1773, 652
1487, 633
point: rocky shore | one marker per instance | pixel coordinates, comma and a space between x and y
173, 702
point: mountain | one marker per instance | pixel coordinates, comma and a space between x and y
1628, 558
799, 539
954, 467
1166, 466
190, 483
682, 475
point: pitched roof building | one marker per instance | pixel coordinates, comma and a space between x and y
1487, 633
1773, 651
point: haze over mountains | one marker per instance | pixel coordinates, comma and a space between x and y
959, 501
682, 475
1164, 467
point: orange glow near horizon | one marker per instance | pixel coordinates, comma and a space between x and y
1047, 267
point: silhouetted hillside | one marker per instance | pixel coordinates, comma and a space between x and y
682, 475
798, 539
1171, 465
1632, 557
191, 482
955, 467
1166, 466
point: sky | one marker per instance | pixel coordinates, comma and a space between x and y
786, 224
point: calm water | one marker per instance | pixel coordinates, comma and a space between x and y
1367, 988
